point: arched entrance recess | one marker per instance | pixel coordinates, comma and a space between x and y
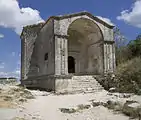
85, 43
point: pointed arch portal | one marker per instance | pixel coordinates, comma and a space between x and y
85, 43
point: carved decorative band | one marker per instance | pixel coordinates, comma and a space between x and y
61, 36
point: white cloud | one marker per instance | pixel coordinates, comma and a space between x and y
12, 16
13, 54
133, 16
19, 54
2, 65
14, 73
10, 74
107, 20
18, 72
1, 36
3, 74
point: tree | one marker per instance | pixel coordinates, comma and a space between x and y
138, 37
122, 51
119, 38
135, 46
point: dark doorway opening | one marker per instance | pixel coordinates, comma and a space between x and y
71, 64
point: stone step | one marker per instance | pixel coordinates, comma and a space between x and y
79, 85
95, 87
86, 91
99, 88
86, 81
83, 78
91, 84
85, 84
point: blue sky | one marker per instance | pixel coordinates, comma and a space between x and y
10, 43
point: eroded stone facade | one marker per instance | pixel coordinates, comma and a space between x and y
75, 44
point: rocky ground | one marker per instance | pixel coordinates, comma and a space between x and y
18, 103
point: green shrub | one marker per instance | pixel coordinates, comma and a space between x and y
127, 77
123, 54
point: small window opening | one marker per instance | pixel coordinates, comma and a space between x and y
46, 57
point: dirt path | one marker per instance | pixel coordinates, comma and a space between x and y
47, 108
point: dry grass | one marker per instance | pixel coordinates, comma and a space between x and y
18, 118
12, 96
6, 104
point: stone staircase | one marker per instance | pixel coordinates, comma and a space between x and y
87, 83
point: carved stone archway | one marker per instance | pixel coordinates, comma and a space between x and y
89, 27
86, 40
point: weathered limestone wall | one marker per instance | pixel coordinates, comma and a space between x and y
95, 59
109, 57
46, 45
28, 38
61, 55
46, 82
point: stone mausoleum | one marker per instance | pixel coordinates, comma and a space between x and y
66, 53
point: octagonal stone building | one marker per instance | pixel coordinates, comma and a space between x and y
66, 52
